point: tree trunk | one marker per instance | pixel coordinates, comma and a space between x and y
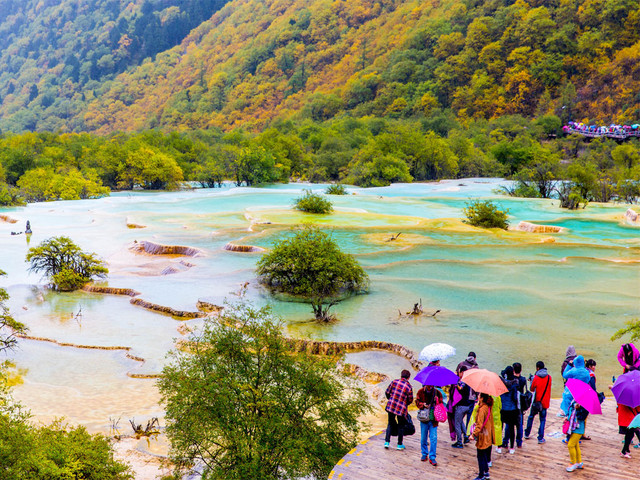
322, 314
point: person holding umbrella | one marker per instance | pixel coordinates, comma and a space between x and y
427, 398
626, 391
584, 401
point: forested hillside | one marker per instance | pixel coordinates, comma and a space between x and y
56, 55
109, 65
261, 59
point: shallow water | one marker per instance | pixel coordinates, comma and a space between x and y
505, 295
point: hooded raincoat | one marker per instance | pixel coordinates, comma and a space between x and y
579, 372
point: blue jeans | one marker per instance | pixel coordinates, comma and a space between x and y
543, 420
519, 429
428, 435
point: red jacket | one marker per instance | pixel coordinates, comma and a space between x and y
539, 384
626, 414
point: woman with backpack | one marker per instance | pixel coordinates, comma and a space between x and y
426, 399
575, 429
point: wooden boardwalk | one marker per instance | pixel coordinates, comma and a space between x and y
601, 456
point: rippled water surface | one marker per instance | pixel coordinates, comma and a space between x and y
510, 296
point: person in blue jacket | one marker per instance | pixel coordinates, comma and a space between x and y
576, 369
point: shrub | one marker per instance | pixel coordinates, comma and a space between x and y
313, 203
485, 214
336, 189
66, 266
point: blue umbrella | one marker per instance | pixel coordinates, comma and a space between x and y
436, 376
635, 423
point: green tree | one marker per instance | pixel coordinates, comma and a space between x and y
9, 327
310, 265
311, 202
633, 328
242, 402
485, 214
65, 264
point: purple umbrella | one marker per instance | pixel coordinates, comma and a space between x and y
584, 395
627, 389
436, 376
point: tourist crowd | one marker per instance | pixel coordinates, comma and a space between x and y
491, 409
613, 131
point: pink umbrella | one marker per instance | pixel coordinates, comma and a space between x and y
584, 395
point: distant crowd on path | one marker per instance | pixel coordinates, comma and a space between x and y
499, 420
612, 131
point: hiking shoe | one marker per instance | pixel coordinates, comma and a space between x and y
457, 445
571, 468
423, 459
487, 477
636, 446
585, 437
466, 440
400, 447
542, 440
433, 462
499, 450
512, 451
580, 466
625, 455
527, 437
386, 444
490, 464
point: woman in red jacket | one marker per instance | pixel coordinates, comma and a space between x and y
625, 416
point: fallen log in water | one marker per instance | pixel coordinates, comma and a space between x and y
111, 290
166, 310
243, 248
157, 249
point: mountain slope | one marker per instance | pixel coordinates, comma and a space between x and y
259, 60
54, 54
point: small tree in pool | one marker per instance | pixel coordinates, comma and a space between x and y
485, 214
309, 265
313, 203
65, 264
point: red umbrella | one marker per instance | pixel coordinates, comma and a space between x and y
584, 395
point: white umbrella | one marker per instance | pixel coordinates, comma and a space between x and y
436, 351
